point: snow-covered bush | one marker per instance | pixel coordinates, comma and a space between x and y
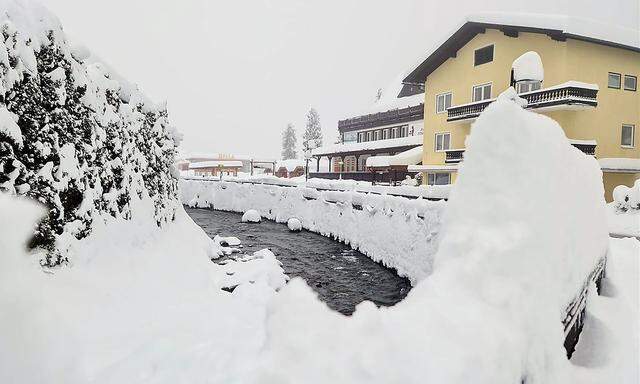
627, 198
73, 135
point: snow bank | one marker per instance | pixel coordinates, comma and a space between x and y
515, 246
140, 303
399, 232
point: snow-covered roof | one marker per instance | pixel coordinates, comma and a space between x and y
369, 145
620, 164
561, 26
390, 100
215, 164
582, 142
290, 164
432, 168
412, 156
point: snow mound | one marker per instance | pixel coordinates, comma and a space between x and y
294, 224
251, 216
515, 247
627, 198
528, 67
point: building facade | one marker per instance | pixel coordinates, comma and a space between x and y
216, 168
589, 88
393, 127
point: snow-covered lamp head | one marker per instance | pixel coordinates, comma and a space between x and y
527, 72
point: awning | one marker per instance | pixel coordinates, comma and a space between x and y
620, 165
410, 157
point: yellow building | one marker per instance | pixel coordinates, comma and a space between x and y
589, 87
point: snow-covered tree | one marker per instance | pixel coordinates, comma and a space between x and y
289, 142
313, 130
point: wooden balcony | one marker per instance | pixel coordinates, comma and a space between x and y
394, 116
568, 96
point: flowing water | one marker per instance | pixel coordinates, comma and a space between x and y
341, 277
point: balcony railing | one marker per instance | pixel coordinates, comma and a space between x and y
394, 116
570, 95
454, 156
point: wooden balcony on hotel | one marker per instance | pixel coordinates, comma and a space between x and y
394, 116
572, 95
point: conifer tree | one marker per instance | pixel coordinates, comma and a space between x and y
289, 142
313, 130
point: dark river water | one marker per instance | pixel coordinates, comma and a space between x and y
341, 276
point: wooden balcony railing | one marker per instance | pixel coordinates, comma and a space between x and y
454, 156
395, 116
570, 94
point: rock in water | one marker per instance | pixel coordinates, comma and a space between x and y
251, 216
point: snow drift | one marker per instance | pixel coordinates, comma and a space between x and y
516, 245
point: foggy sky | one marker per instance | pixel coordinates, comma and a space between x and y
234, 73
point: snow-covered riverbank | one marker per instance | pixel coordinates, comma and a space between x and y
400, 233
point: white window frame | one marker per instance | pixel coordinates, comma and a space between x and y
529, 84
633, 136
444, 94
473, 91
375, 136
473, 62
434, 176
368, 136
435, 141
624, 83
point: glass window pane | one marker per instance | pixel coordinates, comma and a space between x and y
627, 135
447, 139
535, 86
438, 142
440, 103
630, 83
447, 103
477, 93
442, 178
614, 80
431, 179
487, 92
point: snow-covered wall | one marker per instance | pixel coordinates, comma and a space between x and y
74, 135
399, 232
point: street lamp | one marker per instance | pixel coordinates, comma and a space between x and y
341, 163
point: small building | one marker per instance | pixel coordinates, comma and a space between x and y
216, 168
290, 168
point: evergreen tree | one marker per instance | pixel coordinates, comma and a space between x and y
313, 130
289, 142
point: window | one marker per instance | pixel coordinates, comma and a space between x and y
368, 136
375, 135
630, 83
438, 178
403, 131
443, 141
483, 55
614, 80
481, 92
394, 133
528, 86
385, 134
627, 137
443, 101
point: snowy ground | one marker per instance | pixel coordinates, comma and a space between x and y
608, 350
623, 223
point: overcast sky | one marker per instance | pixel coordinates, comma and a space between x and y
234, 72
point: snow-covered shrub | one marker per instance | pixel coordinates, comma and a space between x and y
627, 198
75, 136
251, 216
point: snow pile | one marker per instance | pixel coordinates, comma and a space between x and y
290, 164
623, 213
608, 350
142, 303
528, 67
399, 232
74, 135
294, 224
251, 216
515, 246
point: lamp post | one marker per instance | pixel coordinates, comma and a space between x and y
341, 163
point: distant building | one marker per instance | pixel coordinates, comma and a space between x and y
216, 168
290, 168
391, 127
248, 165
